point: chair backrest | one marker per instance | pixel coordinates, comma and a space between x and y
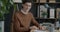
11, 28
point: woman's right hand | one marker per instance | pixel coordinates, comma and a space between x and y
34, 28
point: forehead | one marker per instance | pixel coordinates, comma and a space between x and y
28, 3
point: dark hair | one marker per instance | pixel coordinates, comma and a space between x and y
25, 1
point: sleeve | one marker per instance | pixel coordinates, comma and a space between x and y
17, 25
34, 21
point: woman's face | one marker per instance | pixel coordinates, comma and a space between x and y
27, 6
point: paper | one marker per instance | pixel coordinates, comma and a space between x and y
39, 31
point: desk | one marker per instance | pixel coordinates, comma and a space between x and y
38, 31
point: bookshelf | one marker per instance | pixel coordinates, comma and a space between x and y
53, 4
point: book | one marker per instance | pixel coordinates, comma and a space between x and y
52, 1
38, 11
58, 12
37, 1
43, 1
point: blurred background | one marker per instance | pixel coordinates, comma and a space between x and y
46, 12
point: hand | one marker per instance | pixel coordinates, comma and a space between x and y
33, 28
42, 27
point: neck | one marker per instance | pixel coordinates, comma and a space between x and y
24, 12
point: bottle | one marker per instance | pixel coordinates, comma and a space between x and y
57, 25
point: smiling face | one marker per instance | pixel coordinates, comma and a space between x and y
26, 6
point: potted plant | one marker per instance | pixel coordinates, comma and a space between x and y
4, 9
44, 14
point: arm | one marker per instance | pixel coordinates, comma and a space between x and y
17, 25
34, 21
37, 24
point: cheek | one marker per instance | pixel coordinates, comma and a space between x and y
26, 7
29, 7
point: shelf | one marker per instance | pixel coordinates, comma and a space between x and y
47, 18
47, 2
44, 18
36, 2
51, 2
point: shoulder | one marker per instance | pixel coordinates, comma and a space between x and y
16, 13
30, 13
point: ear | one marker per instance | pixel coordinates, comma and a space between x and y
22, 4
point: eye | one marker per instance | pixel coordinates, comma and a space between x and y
26, 5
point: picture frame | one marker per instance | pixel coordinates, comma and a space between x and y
58, 13
52, 13
1, 26
42, 11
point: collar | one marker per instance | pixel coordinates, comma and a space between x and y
24, 12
